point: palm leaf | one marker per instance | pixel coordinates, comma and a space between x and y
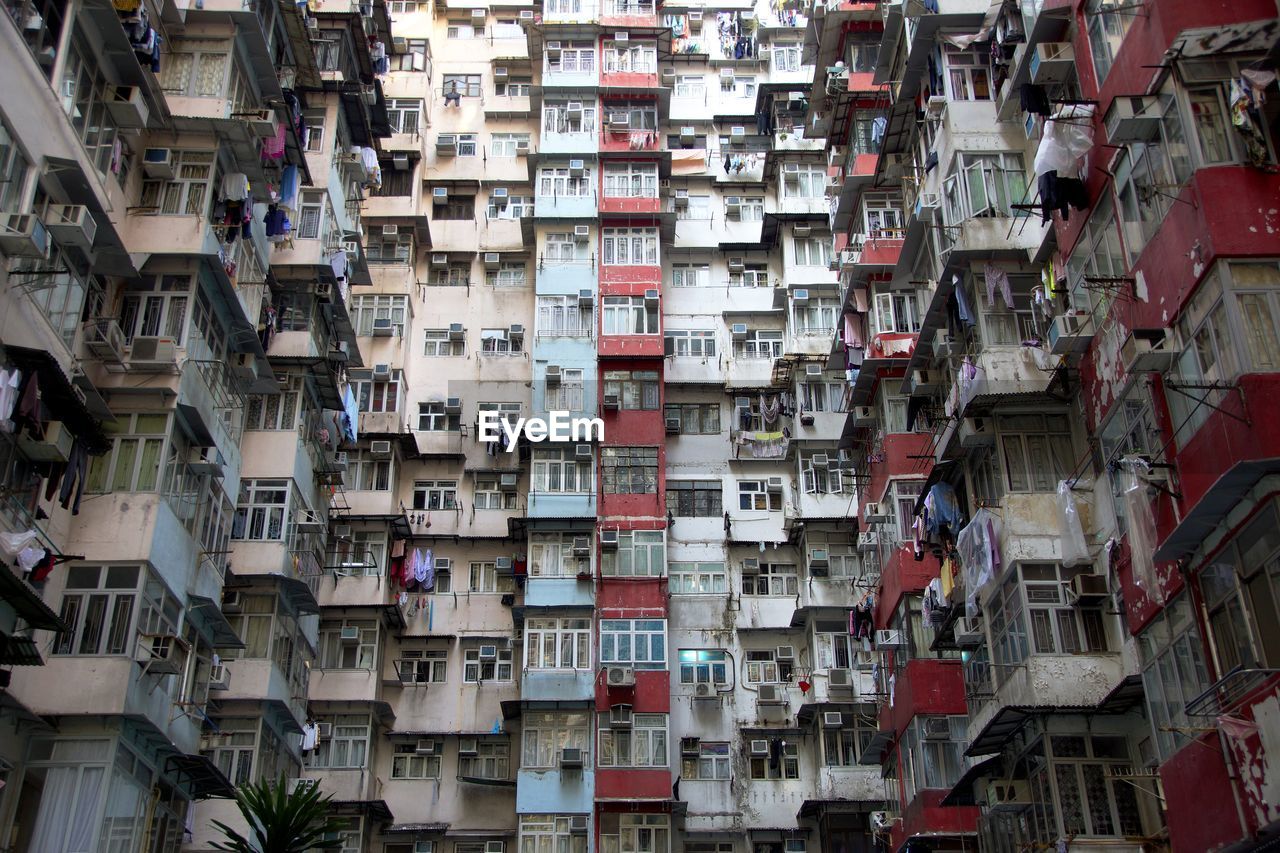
280, 819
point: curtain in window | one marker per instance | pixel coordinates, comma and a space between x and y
68, 806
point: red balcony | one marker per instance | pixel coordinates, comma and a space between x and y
628, 783
630, 204
633, 80
927, 687
925, 817
630, 346
623, 14
629, 279
623, 140
860, 166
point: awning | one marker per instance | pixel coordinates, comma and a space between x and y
376, 809
416, 829
27, 603
203, 777
211, 621
65, 181
1212, 508
19, 651
961, 793
60, 397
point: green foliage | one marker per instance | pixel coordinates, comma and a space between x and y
282, 819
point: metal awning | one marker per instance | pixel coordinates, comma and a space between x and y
19, 651
962, 790
416, 828
210, 619
376, 809
27, 603
1212, 508
59, 396
202, 776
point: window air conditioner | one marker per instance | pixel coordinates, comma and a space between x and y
231, 601
71, 225
840, 678
582, 546
1008, 795
489, 652
751, 566
774, 485
1088, 590
586, 298
508, 482
760, 747
868, 540
553, 49
832, 719
802, 230
127, 107
1146, 351
739, 331
770, 694
383, 327
688, 133
1052, 62
977, 432
23, 236
440, 195
819, 558
425, 747
380, 449
570, 758
785, 653
800, 296
581, 232
158, 163
968, 633
583, 451
673, 426
381, 372
611, 401
457, 332
350, 635
737, 265
453, 405
162, 654
324, 731
608, 539
468, 746
937, 728
500, 73
620, 120
578, 824
446, 145
553, 374
681, 198
219, 677
503, 564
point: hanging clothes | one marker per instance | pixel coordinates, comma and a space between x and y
996, 277
235, 186
28, 414
10, 382
1034, 99
73, 479
962, 302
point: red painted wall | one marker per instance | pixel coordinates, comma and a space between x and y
925, 815
632, 598
927, 687
629, 279
633, 784
1199, 807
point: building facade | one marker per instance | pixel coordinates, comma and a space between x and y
923, 499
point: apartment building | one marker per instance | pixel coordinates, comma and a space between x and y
1058, 359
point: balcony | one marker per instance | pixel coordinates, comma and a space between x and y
581, 205
623, 140
581, 139
570, 12
878, 252
640, 202
630, 346
628, 13
562, 504
559, 685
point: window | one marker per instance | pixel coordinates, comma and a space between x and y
347, 746
816, 316
804, 181
382, 307
376, 395
1089, 800
508, 144
455, 209
640, 553
564, 317
695, 418
968, 73
479, 666
827, 397
348, 644
363, 552
752, 275
771, 579
1240, 589
489, 495
1037, 451
137, 453
464, 31
366, 474
738, 86
763, 668
697, 578
491, 761
630, 58
984, 185
187, 192
574, 58
485, 577
1056, 626
812, 251
561, 471
635, 389
781, 762
690, 275
751, 210
511, 207
557, 643
1173, 672
314, 214
438, 343
107, 607
786, 57
630, 246
754, 495
843, 746
759, 343
546, 735
691, 343
500, 342
454, 275
704, 666
1148, 176
315, 131
1108, 22
822, 477
551, 555
641, 643
404, 114
548, 832
414, 57
569, 395
631, 180
629, 470
629, 315
565, 117
690, 86
261, 510
558, 182
423, 666
407, 763
402, 7
435, 494
642, 745
694, 498
711, 762
511, 273
468, 85
196, 68
433, 418
516, 87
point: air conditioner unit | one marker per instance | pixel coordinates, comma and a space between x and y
381, 372
508, 482
500, 73
813, 370
864, 416
457, 332
342, 531
832, 719
205, 460
673, 426
688, 133
868, 541
1008, 795
651, 295
350, 635
785, 653
821, 460
570, 757
380, 449
553, 374
526, 15
383, 327
882, 821
72, 225
440, 195
760, 747
937, 728
819, 558
704, 690
522, 145
608, 539
977, 432
426, 747
219, 677
751, 566
802, 230
158, 163
583, 451
690, 746
739, 331
928, 206
23, 236
695, 14
153, 355
840, 678
1052, 62
892, 640
790, 168
726, 74
515, 330
553, 49
127, 107
620, 717
581, 233
468, 746
620, 120
770, 694
231, 601
577, 168
477, 14
733, 210
453, 405
681, 198
503, 564
800, 296
162, 654
446, 145
774, 485
737, 264
324, 731
581, 546
578, 824
1146, 351
1088, 590
586, 298
668, 75
390, 230
105, 341
489, 652
968, 633
1070, 333
924, 382
620, 676
737, 133
876, 514
611, 401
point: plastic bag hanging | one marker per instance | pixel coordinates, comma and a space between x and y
1142, 527
978, 545
1075, 550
